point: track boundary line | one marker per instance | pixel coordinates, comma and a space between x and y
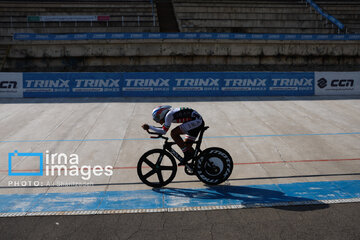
245, 163
208, 137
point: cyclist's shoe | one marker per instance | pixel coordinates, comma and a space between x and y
188, 155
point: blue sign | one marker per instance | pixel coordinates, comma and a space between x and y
72, 84
168, 84
218, 84
211, 36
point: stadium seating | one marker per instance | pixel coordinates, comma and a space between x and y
347, 11
123, 16
221, 16
246, 16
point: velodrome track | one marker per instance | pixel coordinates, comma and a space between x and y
286, 151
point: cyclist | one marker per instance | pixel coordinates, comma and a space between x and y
192, 123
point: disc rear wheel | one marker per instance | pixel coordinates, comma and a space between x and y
214, 166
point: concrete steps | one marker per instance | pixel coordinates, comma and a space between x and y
125, 16
6, 32
278, 16
128, 23
246, 16
274, 30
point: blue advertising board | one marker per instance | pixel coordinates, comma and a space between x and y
186, 84
196, 36
168, 84
71, 84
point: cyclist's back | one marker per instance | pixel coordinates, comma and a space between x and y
182, 115
191, 124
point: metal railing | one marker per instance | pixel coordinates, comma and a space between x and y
328, 17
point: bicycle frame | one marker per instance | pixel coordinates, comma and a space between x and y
168, 145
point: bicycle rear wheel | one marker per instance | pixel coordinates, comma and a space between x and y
156, 168
214, 166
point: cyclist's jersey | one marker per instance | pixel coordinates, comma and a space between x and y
177, 115
180, 115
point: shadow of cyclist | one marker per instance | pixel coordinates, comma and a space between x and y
240, 195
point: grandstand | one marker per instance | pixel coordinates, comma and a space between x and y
244, 16
347, 11
294, 19
76, 17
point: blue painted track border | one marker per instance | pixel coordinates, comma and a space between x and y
172, 199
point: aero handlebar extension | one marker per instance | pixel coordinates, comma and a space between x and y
157, 135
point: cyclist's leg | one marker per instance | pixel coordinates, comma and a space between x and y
184, 145
175, 134
192, 129
192, 134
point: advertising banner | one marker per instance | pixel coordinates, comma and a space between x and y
11, 85
157, 84
337, 83
210, 36
218, 84
72, 84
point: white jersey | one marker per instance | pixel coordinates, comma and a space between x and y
180, 115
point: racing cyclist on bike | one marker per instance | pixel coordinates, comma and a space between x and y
192, 123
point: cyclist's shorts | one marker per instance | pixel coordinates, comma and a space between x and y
192, 128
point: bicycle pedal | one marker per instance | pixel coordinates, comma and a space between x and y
189, 170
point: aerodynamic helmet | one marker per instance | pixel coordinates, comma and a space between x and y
160, 112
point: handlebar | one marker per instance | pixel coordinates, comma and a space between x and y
157, 135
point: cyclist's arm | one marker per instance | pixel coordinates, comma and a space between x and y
158, 130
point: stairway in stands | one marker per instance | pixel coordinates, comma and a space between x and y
4, 50
166, 16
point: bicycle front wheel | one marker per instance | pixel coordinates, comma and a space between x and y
156, 168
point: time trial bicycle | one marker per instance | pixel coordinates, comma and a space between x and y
157, 167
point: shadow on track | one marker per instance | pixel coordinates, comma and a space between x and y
243, 195
188, 181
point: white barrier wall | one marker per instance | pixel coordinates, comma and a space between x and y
337, 83
177, 84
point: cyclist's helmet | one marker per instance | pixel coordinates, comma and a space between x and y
160, 112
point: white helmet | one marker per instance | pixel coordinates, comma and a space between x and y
160, 112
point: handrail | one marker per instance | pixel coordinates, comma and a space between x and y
326, 15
